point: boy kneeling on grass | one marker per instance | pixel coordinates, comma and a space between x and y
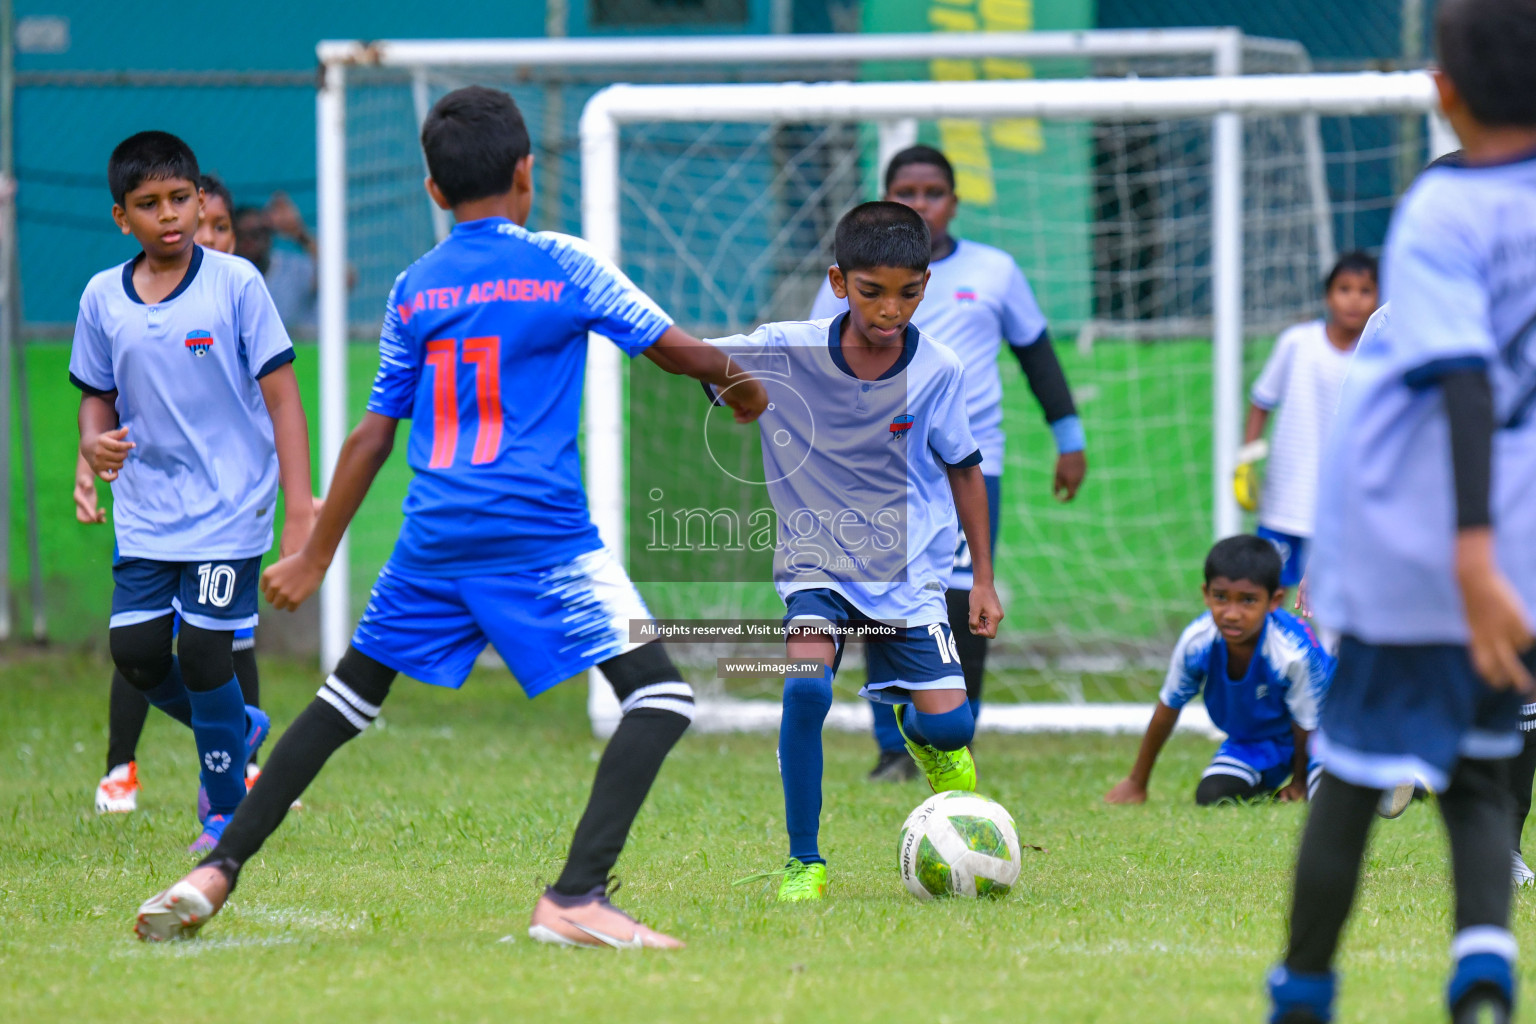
1264, 675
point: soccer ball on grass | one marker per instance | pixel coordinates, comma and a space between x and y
959, 844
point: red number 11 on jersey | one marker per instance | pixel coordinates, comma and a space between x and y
484, 354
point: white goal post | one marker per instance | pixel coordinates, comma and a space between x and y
1224, 50
883, 102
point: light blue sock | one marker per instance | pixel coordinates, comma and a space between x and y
218, 725
886, 732
949, 730
807, 699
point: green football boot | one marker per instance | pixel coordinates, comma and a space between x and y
799, 882
946, 769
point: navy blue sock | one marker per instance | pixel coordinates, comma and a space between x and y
171, 696
949, 730
975, 703
218, 724
807, 699
1484, 957
1308, 992
886, 732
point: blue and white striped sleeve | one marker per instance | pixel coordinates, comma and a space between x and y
1190, 663
1308, 675
394, 386
611, 304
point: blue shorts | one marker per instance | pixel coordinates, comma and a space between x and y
1294, 552
210, 595
920, 658
547, 624
962, 579
1397, 713
1263, 764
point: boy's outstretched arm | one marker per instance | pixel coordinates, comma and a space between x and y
679, 352
1296, 789
289, 582
970, 490
290, 433
1133, 788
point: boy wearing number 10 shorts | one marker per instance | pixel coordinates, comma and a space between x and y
868, 475
190, 409
484, 349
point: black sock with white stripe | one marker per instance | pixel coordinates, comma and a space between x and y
657, 709
345, 706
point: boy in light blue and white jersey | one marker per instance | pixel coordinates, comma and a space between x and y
1425, 556
1264, 676
868, 454
976, 299
190, 408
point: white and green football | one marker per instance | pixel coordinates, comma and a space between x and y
959, 844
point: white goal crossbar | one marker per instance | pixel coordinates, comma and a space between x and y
1096, 99
1223, 47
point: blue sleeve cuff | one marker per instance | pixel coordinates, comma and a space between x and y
88, 389
281, 359
1431, 373
973, 459
1069, 435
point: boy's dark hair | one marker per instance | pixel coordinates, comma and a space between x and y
1245, 557
148, 156
881, 234
472, 139
213, 185
1487, 48
925, 155
1357, 262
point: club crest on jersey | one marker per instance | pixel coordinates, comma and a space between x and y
199, 342
900, 425
965, 295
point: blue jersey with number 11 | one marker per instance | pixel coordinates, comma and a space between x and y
484, 348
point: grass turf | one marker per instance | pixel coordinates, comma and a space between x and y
422, 847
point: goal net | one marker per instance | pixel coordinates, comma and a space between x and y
725, 215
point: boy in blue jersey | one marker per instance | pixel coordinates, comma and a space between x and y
976, 298
1264, 675
191, 410
484, 348
1425, 556
867, 473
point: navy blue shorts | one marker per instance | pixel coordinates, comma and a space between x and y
547, 624
1400, 713
211, 595
1294, 552
962, 578
918, 658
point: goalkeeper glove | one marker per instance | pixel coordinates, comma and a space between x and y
1245, 481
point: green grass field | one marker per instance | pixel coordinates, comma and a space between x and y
401, 891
